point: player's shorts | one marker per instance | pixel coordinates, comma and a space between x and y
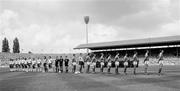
94, 63
45, 65
22, 65
13, 65
146, 62
88, 63
102, 63
161, 63
50, 65
117, 63
10, 66
125, 63
80, 63
134, 62
29, 65
34, 66
25, 65
66, 64
74, 63
38, 65
109, 63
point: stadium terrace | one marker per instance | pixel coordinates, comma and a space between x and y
147, 43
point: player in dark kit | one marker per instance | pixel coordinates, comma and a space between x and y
66, 62
109, 61
88, 62
146, 62
57, 64
125, 63
160, 61
61, 64
45, 64
74, 63
102, 62
135, 62
116, 59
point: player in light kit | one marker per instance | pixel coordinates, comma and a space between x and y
125, 59
66, 63
135, 62
26, 64
45, 64
116, 60
81, 63
74, 63
109, 61
146, 62
14, 65
93, 64
160, 61
53, 65
11, 65
33, 65
50, 64
88, 62
29, 64
23, 64
17, 64
102, 62
39, 69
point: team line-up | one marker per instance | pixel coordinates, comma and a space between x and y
88, 63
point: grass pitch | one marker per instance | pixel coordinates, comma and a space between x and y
32, 81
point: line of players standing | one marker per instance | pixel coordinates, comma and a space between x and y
89, 63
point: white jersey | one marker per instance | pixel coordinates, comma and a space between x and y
25, 61
33, 62
49, 61
22, 61
81, 59
39, 61
29, 61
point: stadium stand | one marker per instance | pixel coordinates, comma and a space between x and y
170, 45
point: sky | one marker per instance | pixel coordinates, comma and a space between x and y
57, 26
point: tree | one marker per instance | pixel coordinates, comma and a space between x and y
16, 47
5, 45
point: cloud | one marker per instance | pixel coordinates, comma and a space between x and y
59, 38
101, 33
58, 26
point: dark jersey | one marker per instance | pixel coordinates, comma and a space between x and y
66, 62
57, 62
61, 62
94, 59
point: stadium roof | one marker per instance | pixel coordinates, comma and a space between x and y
159, 41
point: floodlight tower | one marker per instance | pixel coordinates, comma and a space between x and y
86, 20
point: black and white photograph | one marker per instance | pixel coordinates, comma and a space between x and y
89, 45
